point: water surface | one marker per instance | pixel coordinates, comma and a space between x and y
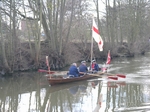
30, 92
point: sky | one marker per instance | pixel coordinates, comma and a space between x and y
101, 8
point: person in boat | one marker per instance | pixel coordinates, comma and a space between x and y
73, 70
94, 67
83, 68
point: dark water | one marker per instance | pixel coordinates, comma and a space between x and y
30, 92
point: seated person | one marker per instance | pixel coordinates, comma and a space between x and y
94, 67
83, 68
73, 70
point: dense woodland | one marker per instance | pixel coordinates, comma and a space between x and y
61, 29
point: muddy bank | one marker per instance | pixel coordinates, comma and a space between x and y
73, 52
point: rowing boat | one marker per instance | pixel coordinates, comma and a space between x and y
63, 80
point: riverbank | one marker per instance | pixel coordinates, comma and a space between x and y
74, 52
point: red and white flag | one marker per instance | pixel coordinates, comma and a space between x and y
108, 58
96, 36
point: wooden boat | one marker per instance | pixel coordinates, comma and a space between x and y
62, 80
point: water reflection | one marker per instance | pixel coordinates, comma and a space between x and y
31, 93
78, 89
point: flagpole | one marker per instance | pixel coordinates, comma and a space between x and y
92, 43
91, 49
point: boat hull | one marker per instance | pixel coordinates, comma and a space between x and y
55, 81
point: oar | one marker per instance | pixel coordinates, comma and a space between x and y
118, 75
113, 77
97, 75
121, 75
46, 71
110, 77
41, 70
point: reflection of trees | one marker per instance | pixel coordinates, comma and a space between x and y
135, 95
130, 95
12, 89
126, 96
64, 101
8, 98
59, 98
111, 96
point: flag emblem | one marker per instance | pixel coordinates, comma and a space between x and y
96, 36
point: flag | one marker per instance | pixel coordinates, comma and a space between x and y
47, 62
108, 58
96, 36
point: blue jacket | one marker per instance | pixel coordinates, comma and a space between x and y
73, 71
96, 67
83, 68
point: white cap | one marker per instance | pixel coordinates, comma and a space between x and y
93, 60
83, 61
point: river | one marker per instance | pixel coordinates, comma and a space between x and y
30, 92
